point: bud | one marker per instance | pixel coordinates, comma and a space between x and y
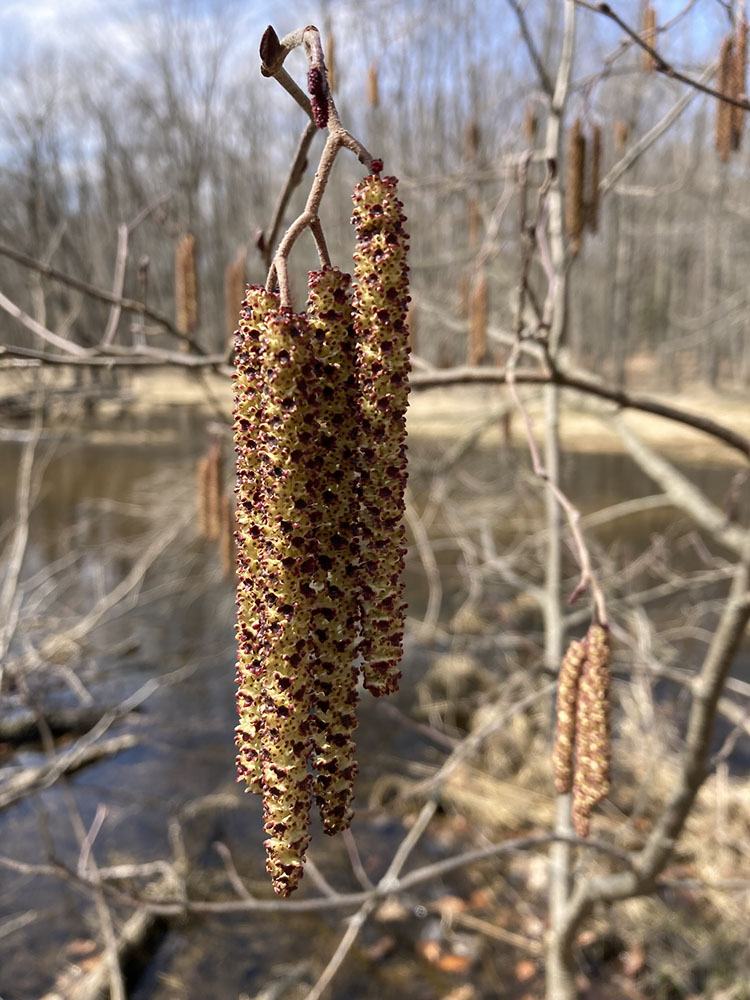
380, 303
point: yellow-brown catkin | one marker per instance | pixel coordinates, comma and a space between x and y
592, 200
471, 140
289, 562
739, 81
186, 285
464, 295
477, 352
565, 731
621, 136
214, 491
530, 124
474, 223
381, 299
337, 614
648, 34
202, 483
226, 540
724, 110
234, 292
331, 61
249, 436
574, 192
592, 745
373, 93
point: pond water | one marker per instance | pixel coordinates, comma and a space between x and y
94, 493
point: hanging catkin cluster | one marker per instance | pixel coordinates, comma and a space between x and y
186, 285
582, 740
320, 402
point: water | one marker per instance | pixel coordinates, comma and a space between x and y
106, 498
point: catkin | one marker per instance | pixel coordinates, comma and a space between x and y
739, 82
592, 201
574, 193
186, 285
226, 540
567, 695
380, 303
331, 61
373, 94
530, 124
621, 131
478, 320
648, 34
724, 110
336, 616
234, 292
249, 435
592, 743
215, 477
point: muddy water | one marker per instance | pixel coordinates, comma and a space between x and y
93, 496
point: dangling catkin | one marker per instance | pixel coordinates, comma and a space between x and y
724, 110
739, 81
621, 136
592, 200
380, 302
574, 193
186, 285
592, 743
648, 34
478, 320
234, 292
337, 615
530, 123
373, 95
567, 695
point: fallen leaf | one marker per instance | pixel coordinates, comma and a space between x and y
525, 970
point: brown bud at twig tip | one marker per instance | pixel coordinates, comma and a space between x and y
724, 110
648, 34
574, 195
270, 49
316, 88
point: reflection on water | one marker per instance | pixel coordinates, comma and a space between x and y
105, 498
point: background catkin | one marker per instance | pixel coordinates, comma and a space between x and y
234, 292
724, 110
592, 744
648, 34
186, 285
574, 192
739, 82
567, 695
380, 303
592, 199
